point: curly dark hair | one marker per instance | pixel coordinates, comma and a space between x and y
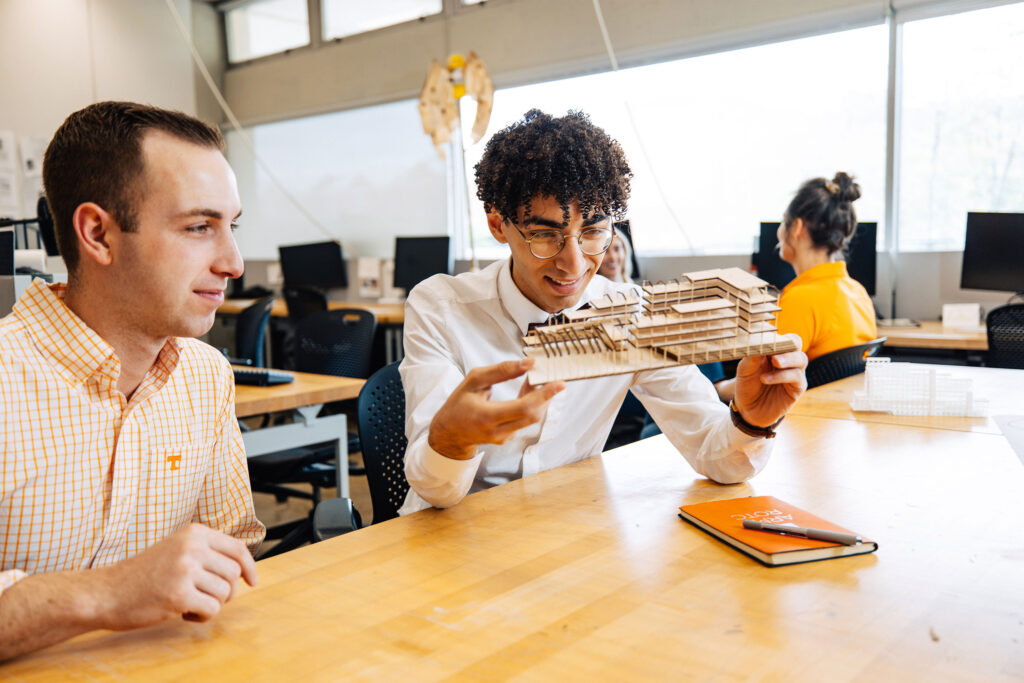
568, 158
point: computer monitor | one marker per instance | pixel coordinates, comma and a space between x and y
47, 231
320, 265
6, 251
417, 258
861, 258
993, 247
634, 264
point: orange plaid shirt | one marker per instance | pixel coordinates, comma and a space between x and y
88, 478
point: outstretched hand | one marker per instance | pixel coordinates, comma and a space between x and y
768, 386
469, 418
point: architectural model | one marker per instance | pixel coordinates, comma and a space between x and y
914, 389
712, 315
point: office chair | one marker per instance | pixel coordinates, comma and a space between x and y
841, 363
303, 302
338, 342
381, 418
1005, 327
251, 331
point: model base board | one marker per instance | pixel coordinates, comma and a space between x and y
712, 315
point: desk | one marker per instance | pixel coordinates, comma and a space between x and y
389, 314
1002, 389
932, 335
306, 395
585, 572
390, 317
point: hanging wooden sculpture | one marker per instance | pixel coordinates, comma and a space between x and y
444, 86
711, 315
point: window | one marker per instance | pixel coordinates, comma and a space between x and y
366, 174
962, 124
722, 142
263, 27
348, 17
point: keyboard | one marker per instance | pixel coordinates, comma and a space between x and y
261, 377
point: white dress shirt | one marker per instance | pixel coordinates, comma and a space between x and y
455, 324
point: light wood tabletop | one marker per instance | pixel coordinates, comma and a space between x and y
585, 572
1003, 389
307, 389
388, 314
932, 335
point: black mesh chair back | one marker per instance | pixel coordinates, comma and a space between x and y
338, 342
251, 331
382, 434
303, 303
841, 363
1005, 327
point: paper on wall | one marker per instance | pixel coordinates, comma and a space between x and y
8, 159
368, 272
31, 191
32, 150
9, 202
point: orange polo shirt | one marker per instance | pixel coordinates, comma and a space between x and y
88, 478
828, 309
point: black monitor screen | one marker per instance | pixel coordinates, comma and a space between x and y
860, 257
994, 252
6, 252
320, 265
46, 228
770, 266
634, 265
417, 258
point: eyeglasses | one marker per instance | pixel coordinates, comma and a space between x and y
545, 244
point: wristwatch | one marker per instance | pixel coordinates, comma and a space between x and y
749, 429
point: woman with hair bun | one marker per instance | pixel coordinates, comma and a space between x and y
823, 304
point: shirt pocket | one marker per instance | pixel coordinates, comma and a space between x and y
177, 461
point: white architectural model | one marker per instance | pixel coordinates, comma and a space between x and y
712, 315
913, 389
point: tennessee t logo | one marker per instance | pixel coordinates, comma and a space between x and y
174, 460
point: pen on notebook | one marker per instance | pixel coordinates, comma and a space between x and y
803, 532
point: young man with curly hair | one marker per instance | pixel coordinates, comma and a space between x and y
551, 188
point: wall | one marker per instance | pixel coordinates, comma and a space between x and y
521, 41
58, 56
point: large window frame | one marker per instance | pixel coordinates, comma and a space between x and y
896, 15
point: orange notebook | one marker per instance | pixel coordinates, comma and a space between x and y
724, 520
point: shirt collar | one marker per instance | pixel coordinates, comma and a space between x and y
521, 309
822, 271
75, 349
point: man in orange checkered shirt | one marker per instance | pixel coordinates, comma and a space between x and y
124, 491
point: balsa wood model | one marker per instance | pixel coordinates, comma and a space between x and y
711, 315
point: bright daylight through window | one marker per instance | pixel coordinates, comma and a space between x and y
348, 17
264, 27
962, 130
721, 142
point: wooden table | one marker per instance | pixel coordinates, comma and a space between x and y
1002, 388
932, 335
389, 314
306, 396
585, 572
307, 389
